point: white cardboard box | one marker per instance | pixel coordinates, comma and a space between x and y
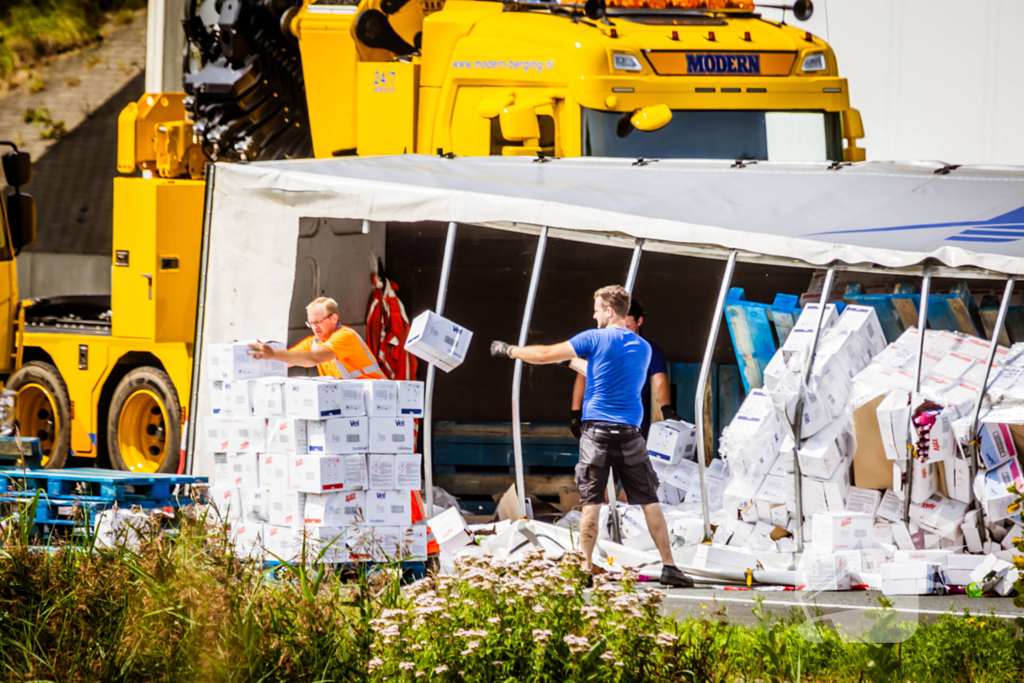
267, 397
408, 471
863, 320
283, 542
826, 572
249, 539
338, 436
216, 434
237, 398
834, 491
316, 473
381, 398
449, 527
230, 362
357, 476
255, 505
392, 435
399, 512
863, 500
834, 531
939, 512
351, 396
414, 541
287, 508
308, 398
996, 445
218, 397
893, 422
799, 338
288, 437
335, 509
379, 507
244, 470
222, 470
382, 472
329, 543
247, 435
274, 470
410, 398
671, 441
995, 497
438, 340
822, 454
226, 501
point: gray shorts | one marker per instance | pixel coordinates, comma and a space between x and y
606, 445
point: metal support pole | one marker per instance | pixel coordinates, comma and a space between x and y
798, 417
517, 373
975, 445
428, 393
922, 324
702, 384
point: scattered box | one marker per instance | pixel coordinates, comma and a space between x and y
997, 445
438, 340
449, 529
316, 473
995, 497
826, 572
893, 422
392, 435
338, 436
834, 531
822, 454
863, 500
671, 441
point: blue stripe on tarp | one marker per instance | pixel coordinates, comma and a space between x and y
1013, 218
958, 238
993, 233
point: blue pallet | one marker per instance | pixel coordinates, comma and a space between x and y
13, 451
58, 511
97, 485
757, 330
726, 388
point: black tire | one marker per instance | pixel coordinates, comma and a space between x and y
57, 447
157, 383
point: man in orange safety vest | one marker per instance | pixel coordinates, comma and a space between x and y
336, 350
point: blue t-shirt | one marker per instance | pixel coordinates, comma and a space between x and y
617, 361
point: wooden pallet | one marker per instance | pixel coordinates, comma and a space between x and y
953, 310
96, 485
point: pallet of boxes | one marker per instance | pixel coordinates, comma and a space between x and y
314, 468
859, 415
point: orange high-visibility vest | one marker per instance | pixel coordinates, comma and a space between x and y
352, 358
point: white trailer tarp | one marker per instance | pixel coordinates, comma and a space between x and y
866, 215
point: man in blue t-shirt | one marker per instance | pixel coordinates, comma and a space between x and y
657, 381
615, 360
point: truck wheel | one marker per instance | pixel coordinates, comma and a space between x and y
144, 423
44, 410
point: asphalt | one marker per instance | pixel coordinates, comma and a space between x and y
846, 607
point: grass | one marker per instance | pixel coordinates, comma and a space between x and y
31, 30
182, 607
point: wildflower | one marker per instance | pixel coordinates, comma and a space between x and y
420, 673
1018, 562
438, 669
666, 639
619, 664
577, 643
406, 666
981, 625
497, 663
494, 620
609, 656
1013, 508
375, 664
539, 609
541, 635
970, 621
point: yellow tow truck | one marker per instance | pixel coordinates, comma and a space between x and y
109, 378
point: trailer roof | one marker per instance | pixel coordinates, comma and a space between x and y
892, 215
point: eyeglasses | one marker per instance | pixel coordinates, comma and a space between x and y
316, 323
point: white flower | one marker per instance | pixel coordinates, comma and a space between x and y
375, 664
438, 669
406, 666
539, 609
619, 664
494, 620
608, 656
577, 643
541, 635
666, 639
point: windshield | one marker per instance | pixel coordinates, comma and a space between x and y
760, 135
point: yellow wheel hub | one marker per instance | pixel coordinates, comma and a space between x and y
38, 417
142, 431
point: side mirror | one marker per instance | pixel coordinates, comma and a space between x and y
651, 118
519, 123
803, 9
17, 168
595, 9
853, 126
21, 215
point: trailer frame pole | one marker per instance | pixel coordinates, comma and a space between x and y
702, 385
922, 325
517, 372
975, 443
428, 391
798, 415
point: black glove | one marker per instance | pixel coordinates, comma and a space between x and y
576, 423
500, 349
669, 413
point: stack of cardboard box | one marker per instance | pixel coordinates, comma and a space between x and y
314, 467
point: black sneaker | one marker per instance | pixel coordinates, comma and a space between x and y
671, 576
